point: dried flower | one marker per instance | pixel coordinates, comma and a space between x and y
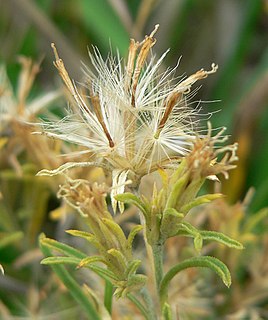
18, 117
135, 119
15, 106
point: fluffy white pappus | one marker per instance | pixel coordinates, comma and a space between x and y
132, 115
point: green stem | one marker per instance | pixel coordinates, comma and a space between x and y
158, 263
73, 287
108, 296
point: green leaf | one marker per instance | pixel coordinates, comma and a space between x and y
73, 287
170, 221
132, 235
119, 256
139, 305
89, 260
130, 198
186, 229
87, 236
62, 248
200, 262
60, 260
102, 272
200, 200
108, 296
81, 234
136, 281
221, 238
177, 190
132, 267
167, 314
116, 230
198, 242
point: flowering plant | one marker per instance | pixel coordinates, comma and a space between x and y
134, 120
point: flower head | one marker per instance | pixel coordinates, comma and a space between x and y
134, 118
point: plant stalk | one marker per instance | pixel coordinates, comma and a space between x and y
158, 263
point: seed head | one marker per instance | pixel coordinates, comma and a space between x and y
134, 119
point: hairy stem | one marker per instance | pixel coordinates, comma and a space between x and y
158, 263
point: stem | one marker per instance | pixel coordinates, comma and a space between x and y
158, 263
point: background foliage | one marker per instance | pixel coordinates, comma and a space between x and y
231, 33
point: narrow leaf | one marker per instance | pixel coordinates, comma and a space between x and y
170, 221
116, 230
222, 238
102, 272
73, 287
177, 191
62, 248
186, 229
200, 200
132, 267
132, 235
119, 256
167, 314
139, 305
108, 296
88, 260
87, 236
198, 242
200, 262
130, 198
60, 260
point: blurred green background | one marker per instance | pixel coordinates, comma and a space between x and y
231, 33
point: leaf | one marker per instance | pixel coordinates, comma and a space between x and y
81, 234
89, 260
170, 221
60, 260
62, 248
87, 236
186, 229
130, 198
132, 235
73, 287
116, 230
108, 296
221, 238
198, 262
139, 306
198, 242
167, 314
103, 273
176, 191
200, 200
119, 256
132, 267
